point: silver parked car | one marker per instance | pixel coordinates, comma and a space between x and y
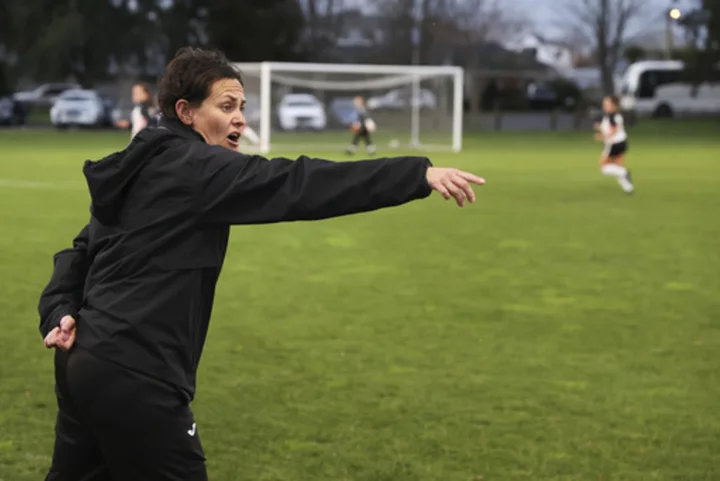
80, 108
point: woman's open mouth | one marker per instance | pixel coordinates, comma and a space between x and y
234, 139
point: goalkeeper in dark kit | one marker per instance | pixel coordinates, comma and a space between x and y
362, 128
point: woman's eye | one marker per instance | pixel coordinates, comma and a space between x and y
227, 108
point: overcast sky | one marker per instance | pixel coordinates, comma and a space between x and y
544, 13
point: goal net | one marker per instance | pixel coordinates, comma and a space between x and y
306, 105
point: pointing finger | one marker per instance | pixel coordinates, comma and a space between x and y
472, 178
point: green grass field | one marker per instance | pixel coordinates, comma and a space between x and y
555, 330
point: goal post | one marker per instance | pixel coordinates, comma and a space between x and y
309, 105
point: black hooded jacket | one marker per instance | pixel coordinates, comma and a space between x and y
140, 278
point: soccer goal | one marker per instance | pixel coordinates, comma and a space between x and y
310, 105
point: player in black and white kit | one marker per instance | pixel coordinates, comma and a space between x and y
144, 112
362, 128
611, 130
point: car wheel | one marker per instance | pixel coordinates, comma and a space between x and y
663, 111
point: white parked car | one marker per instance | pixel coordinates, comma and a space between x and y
301, 111
401, 99
78, 108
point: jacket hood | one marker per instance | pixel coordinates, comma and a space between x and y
109, 179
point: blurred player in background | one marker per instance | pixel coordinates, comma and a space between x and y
144, 111
362, 128
611, 130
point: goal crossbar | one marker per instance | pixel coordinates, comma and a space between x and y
355, 68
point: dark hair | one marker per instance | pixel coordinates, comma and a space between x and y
190, 76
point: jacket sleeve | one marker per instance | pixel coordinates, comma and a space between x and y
244, 189
63, 294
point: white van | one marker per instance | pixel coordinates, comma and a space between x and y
658, 88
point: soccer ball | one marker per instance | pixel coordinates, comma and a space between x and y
394, 144
370, 125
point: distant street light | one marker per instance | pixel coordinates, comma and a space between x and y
673, 14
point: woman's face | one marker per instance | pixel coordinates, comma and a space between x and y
139, 95
219, 118
608, 105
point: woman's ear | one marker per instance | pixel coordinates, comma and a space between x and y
184, 111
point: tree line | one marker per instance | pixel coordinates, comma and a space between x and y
92, 40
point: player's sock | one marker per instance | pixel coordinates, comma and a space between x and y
621, 174
614, 170
371, 149
352, 148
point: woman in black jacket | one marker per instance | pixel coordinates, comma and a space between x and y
128, 306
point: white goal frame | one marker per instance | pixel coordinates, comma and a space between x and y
416, 72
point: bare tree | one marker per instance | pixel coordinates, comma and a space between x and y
398, 19
323, 24
605, 24
485, 20
446, 24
